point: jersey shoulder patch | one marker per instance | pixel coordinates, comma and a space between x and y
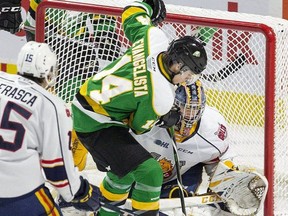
213, 125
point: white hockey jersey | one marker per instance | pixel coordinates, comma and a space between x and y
207, 143
35, 135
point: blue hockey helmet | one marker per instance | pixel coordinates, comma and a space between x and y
191, 101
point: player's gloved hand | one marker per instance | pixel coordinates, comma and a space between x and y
174, 192
159, 11
169, 119
62, 203
87, 197
10, 16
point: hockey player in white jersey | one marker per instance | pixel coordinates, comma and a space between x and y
35, 139
202, 141
201, 135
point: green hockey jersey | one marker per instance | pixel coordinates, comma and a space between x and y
134, 90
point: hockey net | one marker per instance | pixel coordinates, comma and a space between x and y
246, 77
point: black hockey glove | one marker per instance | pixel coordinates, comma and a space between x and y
62, 203
87, 197
169, 119
10, 16
159, 11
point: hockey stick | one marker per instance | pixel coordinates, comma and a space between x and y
222, 74
228, 70
165, 204
125, 211
24, 27
179, 177
68, 209
196, 200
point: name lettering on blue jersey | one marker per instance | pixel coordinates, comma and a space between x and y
139, 69
18, 94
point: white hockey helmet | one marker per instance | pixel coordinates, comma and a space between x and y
37, 60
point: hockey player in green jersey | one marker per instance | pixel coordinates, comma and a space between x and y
134, 92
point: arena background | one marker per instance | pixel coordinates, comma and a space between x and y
11, 44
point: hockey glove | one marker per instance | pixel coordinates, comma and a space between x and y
87, 197
10, 16
169, 119
159, 11
62, 203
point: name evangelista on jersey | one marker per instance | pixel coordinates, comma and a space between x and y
207, 142
132, 91
35, 137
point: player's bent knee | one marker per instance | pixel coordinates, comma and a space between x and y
153, 173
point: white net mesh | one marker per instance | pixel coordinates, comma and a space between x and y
86, 42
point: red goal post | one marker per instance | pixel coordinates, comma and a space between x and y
246, 77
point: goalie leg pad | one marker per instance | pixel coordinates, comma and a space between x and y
244, 192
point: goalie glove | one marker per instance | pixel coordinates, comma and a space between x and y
243, 192
159, 11
10, 16
169, 119
87, 197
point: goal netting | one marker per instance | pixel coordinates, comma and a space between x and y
246, 78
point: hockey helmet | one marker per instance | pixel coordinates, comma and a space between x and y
190, 52
191, 100
37, 60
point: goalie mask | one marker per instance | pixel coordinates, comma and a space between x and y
191, 100
190, 53
37, 60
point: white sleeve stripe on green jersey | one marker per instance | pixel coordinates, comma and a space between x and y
98, 117
30, 20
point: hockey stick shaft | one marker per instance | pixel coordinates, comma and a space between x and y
226, 71
165, 204
177, 165
197, 200
125, 211
179, 178
222, 74
119, 210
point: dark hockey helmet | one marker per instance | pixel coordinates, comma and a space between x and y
191, 101
189, 51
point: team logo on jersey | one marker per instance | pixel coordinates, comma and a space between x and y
221, 132
167, 167
161, 143
151, 64
68, 113
196, 54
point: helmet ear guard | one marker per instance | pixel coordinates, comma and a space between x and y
189, 51
37, 60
